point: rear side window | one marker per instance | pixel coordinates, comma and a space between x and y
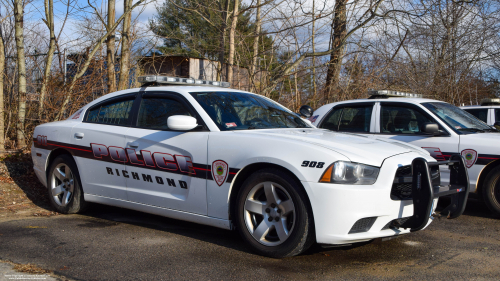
481, 114
349, 119
114, 113
154, 112
402, 120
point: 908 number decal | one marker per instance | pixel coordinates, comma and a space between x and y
313, 164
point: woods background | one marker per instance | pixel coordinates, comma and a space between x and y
54, 54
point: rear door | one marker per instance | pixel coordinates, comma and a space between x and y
98, 145
167, 168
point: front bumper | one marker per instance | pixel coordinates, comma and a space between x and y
337, 208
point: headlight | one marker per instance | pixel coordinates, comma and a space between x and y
344, 172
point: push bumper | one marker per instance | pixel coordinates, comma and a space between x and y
424, 192
337, 209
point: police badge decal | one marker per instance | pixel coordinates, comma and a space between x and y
219, 171
470, 156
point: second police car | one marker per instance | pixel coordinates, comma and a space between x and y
439, 127
488, 111
234, 159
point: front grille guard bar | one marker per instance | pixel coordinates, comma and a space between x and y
424, 193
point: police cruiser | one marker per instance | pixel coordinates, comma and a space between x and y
488, 111
439, 127
196, 151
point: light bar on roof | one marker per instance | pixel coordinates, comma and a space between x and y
390, 93
490, 102
167, 80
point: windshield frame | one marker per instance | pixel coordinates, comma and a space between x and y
458, 131
259, 100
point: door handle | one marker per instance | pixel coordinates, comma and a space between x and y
79, 136
133, 144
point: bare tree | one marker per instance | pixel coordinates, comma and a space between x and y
125, 52
21, 69
88, 60
110, 47
49, 21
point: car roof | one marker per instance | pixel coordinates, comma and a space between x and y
179, 89
392, 99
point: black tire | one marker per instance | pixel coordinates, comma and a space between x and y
65, 193
298, 225
491, 190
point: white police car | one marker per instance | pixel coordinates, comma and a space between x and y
229, 158
439, 127
488, 111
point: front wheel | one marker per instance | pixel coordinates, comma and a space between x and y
63, 185
273, 214
491, 190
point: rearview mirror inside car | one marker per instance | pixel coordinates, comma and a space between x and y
181, 123
431, 129
306, 111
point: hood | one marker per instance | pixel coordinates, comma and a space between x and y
359, 149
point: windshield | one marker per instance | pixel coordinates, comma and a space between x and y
457, 118
242, 111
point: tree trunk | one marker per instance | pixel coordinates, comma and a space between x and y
253, 67
125, 53
49, 14
232, 32
339, 33
313, 78
222, 46
110, 48
2, 113
21, 70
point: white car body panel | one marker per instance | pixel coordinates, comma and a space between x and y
202, 199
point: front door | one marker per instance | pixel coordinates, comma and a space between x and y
166, 168
404, 122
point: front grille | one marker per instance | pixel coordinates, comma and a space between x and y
362, 225
401, 186
395, 223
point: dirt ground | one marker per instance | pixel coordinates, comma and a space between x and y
21, 194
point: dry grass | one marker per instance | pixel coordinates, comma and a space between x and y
30, 268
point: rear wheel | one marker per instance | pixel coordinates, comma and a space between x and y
491, 190
273, 214
64, 186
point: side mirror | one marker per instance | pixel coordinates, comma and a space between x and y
431, 129
306, 111
181, 123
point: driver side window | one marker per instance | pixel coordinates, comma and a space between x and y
402, 120
154, 112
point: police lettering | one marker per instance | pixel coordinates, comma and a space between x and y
147, 178
181, 163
